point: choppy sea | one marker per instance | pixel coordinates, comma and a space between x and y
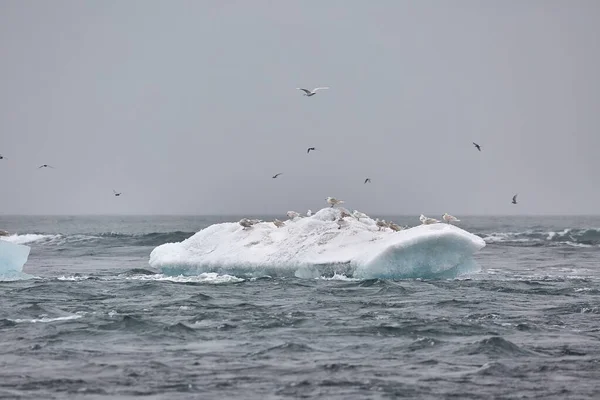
96, 322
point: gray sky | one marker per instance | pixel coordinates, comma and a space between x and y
189, 107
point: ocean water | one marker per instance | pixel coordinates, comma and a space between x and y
96, 322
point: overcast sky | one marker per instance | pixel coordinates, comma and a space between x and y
189, 107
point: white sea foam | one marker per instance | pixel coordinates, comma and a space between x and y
46, 319
210, 277
28, 238
317, 246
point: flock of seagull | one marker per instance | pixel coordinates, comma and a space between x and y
382, 224
307, 93
333, 202
117, 194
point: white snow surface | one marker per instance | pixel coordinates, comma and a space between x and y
313, 247
12, 258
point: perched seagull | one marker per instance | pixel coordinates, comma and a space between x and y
514, 201
308, 213
449, 218
477, 146
344, 213
358, 215
45, 166
309, 149
276, 175
427, 221
368, 180
381, 224
246, 223
292, 214
278, 223
117, 194
311, 92
333, 201
395, 227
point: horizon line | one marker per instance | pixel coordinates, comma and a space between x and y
276, 214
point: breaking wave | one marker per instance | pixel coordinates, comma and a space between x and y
575, 237
107, 238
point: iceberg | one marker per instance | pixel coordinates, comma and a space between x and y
12, 258
325, 244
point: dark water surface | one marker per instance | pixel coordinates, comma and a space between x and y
97, 322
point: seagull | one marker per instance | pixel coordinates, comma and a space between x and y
247, 223
449, 218
1, 157
477, 146
308, 213
117, 194
311, 92
427, 221
292, 214
278, 223
333, 201
358, 215
309, 149
514, 201
344, 213
381, 224
45, 166
276, 175
395, 227
368, 180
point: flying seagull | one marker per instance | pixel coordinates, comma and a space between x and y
309, 149
45, 166
368, 180
311, 92
1, 157
117, 194
477, 146
514, 201
276, 175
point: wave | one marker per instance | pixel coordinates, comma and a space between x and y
572, 237
106, 238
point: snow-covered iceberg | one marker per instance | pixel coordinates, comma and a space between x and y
321, 245
12, 258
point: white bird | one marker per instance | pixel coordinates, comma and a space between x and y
292, 214
278, 223
395, 227
449, 218
333, 201
308, 213
344, 213
358, 215
312, 92
427, 221
381, 224
247, 223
